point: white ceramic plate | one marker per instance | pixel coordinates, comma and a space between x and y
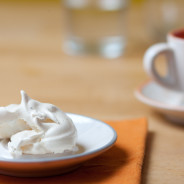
94, 138
168, 102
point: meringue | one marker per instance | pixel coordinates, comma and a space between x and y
34, 128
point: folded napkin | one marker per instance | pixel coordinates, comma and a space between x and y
119, 165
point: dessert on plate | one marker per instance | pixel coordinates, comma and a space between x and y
35, 128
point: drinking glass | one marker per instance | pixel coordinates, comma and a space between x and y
95, 27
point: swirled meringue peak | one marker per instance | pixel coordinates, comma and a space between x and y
36, 128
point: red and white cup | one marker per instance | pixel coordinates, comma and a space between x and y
173, 49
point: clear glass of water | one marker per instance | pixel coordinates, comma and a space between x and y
95, 27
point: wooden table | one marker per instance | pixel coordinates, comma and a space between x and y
31, 59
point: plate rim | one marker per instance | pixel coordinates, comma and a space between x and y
69, 157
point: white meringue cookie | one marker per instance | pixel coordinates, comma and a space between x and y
36, 128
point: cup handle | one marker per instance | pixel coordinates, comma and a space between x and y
170, 80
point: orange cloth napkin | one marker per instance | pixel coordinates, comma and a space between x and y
119, 165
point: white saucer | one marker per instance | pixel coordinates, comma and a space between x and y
168, 102
94, 138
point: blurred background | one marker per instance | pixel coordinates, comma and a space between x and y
140, 22
44, 48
